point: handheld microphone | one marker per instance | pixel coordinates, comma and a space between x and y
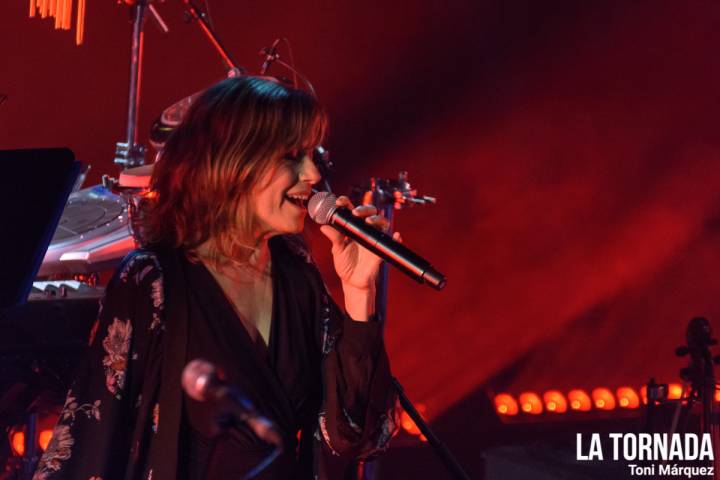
201, 382
323, 210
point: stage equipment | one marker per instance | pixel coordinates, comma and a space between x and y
96, 231
271, 55
201, 382
32, 222
390, 195
700, 374
61, 10
131, 153
169, 120
194, 13
92, 234
322, 209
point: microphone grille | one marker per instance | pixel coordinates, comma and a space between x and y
196, 377
321, 207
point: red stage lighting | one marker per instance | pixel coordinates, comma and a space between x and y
603, 399
675, 391
627, 398
44, 439
17, 442
579, 400
407, 423
505, 404
530, 403
555, 401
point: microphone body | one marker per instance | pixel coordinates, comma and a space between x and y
323, 210
201, 383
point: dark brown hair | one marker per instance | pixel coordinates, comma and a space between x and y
233, 134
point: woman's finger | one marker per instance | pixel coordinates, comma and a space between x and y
378, 221
364, 210
397, 237
344, 201
337, 238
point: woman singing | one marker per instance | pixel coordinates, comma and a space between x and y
224, 276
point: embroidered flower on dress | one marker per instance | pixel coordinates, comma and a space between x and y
117, 345
59, 450
157, 293
158, 302
71, 409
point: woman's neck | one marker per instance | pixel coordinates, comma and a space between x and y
257, 265
259, 260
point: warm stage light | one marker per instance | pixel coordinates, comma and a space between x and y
603, 399
505, 404
17, 441
627, 398
408, 424
530, 403
717, 395
579, 400
555, 402
643, 394
675, 391
44, 439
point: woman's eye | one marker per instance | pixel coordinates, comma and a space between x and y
295, 156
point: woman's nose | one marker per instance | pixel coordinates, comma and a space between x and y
308, 171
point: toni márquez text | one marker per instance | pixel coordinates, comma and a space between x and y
686, 455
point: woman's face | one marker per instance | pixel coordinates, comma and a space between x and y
280, 201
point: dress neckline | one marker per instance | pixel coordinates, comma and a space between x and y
265, 351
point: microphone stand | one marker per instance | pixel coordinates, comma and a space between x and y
194, 13
388, 196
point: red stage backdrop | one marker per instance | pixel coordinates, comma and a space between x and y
573, 147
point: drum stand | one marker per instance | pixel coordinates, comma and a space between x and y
388, 196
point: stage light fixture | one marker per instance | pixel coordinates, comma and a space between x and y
530, 403
44, 439
505, 404
627, 398
675, 391
17, 440
408, 424
603, 399
555, 401
579, 400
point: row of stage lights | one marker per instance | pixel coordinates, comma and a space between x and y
530, 403
578, 400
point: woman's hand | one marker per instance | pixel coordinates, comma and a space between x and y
357, 266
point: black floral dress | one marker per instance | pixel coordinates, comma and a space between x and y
323, 378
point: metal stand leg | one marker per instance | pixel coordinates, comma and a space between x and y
130, 153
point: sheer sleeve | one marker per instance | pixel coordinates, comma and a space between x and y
93, 436
359, 405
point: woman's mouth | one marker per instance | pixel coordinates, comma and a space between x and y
300, 200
